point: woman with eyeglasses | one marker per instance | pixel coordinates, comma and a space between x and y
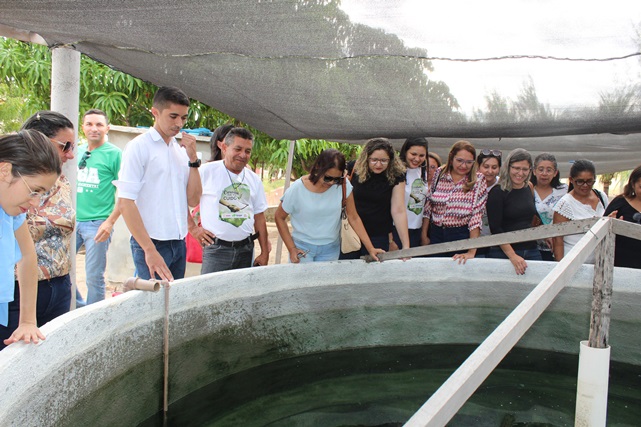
581, 202
314, 203
52, 223
489, 164
29, 167
455, 205
413, 154
627, 207
378, 179
510, 207
548, 190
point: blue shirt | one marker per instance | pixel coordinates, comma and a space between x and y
10, 255
315, 217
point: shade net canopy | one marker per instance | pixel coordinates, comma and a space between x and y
546, 76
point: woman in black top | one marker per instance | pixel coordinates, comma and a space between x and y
627, 251
378, 181
510, 207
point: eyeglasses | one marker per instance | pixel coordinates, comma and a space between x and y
463, 161
545, 170
523, 170
495, 153
334, 179
66, 146
83, 160
32, 194
381, 161
582, 182
433, 167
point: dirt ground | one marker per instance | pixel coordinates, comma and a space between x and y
192, 269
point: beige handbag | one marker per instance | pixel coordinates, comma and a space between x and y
349, 239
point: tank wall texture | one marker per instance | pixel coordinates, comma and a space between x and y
104, 362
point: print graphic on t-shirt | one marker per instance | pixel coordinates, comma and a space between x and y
417, 197
234, 204
88, 180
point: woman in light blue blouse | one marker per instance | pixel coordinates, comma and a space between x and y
29, 166
314, 204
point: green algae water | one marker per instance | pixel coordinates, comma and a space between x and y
384, 387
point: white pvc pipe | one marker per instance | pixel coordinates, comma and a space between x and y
592, 386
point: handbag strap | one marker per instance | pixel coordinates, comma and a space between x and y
344, 202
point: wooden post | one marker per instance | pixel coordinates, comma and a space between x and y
602, 292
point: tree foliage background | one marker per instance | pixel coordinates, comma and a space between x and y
25, 87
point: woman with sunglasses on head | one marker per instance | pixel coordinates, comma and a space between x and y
52, 223
455, 205
314, 203
29, 166
627, 207
581, 202
548, 189
378, 179
413, 154
489, 164
510, 207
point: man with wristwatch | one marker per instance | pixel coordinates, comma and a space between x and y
158, 182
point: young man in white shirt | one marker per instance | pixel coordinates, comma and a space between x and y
158, 182
233, 207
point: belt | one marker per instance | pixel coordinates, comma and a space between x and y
237, 243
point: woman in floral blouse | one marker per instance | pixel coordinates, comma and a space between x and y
455, 205
51, 225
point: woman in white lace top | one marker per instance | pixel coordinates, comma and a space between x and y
581, 202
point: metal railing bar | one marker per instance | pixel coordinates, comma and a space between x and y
536, 233
453, 394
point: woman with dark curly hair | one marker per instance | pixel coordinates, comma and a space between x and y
378, 179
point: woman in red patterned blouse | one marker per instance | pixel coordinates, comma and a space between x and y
455, 205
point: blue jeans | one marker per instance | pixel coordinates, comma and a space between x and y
415, 237
54, 299
527, 254
319, 253
448, 234
95, 260
217, 257
173, 252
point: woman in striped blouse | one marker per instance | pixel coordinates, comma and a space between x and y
455, 205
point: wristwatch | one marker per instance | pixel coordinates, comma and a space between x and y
195, 164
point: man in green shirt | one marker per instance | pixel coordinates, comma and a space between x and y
98, 165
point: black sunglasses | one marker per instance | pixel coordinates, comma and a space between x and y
334, 179
495, 153
83, 161
66, 146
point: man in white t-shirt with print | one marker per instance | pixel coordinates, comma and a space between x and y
232, 208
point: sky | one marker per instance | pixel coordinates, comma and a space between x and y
482, 29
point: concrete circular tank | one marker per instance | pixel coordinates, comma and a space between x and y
102, 365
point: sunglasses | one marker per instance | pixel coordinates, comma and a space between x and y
83, 160
66, 146
584, 182
333, 179
495, 153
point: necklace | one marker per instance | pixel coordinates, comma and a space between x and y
235, 185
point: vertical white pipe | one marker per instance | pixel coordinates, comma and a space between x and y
288, 178
592, 386
65, 99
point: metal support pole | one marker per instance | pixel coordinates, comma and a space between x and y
65, 99
288, 178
